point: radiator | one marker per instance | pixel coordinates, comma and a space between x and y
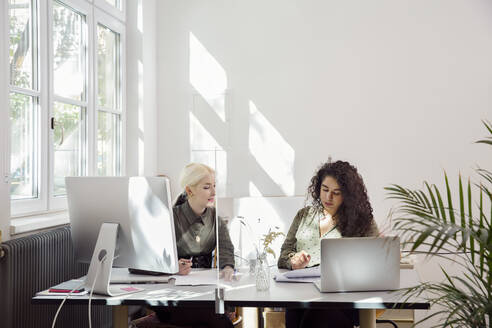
34, 263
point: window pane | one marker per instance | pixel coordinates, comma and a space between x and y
69, 144
69, 52
107, 68
21, 39
23, 159
108, 143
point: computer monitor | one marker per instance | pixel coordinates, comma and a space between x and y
142, 209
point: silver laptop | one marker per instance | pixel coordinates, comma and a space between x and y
359, 264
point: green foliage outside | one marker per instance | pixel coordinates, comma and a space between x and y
19, 37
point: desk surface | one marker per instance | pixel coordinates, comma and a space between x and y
244, 293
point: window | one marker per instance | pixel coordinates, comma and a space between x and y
24, 100
66, 106
108, 101
70, 101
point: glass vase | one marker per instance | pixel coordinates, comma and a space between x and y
262, 273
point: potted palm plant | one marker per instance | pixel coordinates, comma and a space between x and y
443, 223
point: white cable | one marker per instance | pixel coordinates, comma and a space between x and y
61, 305
92, 287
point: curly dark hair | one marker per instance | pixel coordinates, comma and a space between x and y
354, 216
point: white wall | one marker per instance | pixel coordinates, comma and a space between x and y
141, 150
4, 125
397, 88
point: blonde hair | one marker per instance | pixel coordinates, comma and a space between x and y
193, 173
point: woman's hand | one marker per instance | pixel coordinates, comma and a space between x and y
227, 273
184, 266
300, 260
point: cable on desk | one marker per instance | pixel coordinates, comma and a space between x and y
61, 305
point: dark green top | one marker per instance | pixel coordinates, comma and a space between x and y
308, 219
195, 235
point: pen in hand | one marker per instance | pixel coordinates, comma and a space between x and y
184, 266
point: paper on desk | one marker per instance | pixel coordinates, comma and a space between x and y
306, 272
281, 278
196, 278
301, 275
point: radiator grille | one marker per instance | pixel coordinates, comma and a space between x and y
35, 263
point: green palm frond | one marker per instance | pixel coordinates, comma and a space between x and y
487, 140
437, 224
487, 175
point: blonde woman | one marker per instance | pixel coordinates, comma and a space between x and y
195, 225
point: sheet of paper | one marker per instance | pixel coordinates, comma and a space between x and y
281, 278
196, 278
306, 272
301, 275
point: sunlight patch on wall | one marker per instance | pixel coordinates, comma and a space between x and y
205, 149
139, 16
200, 138
271, 151
254, 191
141, 115
208, 77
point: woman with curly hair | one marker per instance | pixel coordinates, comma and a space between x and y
340, 208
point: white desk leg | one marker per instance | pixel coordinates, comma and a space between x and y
367, 318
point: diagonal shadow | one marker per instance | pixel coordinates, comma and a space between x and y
262, 180
209, 119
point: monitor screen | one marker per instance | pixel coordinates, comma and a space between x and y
142, 208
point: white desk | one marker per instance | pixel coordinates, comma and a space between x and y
244, 293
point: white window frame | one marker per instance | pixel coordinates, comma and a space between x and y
41, 202
100, 17
95, 11
113, 11
4, 114
84, 8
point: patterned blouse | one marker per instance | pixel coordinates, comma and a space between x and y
308, 237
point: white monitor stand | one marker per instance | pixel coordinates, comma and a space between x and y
102, 262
